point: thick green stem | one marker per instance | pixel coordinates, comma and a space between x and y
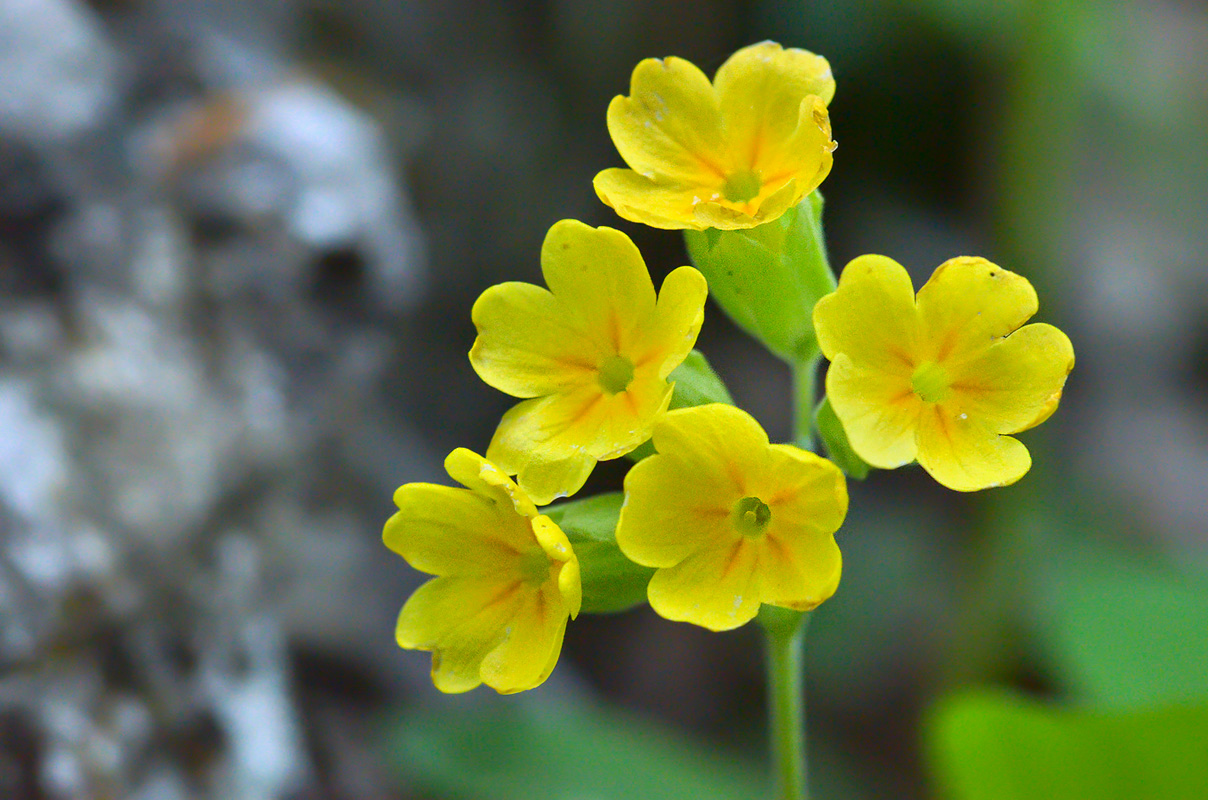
804, 377
784, 635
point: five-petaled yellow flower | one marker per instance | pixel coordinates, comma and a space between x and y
507, 579
593, 353
943, 378
732, 154
731, 521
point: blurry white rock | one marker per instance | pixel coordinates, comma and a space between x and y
56, 70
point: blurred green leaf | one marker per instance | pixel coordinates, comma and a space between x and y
611, 582
563, 751
998, 746
1122, 632
696, 384
838, 449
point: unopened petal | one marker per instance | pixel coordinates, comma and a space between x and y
486, 477
965, 454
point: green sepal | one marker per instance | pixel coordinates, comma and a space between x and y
767, 278
834, 438
696, 384
611, 582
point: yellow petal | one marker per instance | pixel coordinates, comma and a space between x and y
657, 203
717, 589
668, 127
769, 205
1016, 384
965, 454
600, 279
871, 317
460, 620
799, 562
879, 411
760, 90
587, 422
445, 531
677, 320
674, 508
527, 345
807, 493
548, 480
967, 305
531, 642
719, 440
806, 155
798, 569
570, 584
483, 476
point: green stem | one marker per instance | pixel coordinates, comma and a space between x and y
784, 636
804, 379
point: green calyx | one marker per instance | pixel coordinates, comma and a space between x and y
751, 516
616, 373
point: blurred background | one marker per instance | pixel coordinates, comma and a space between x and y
239, 243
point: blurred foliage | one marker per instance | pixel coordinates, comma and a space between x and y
1000, 746
563, 751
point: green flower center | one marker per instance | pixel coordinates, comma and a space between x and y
751, 516
616, 373
534, 565
930, 382
742, 186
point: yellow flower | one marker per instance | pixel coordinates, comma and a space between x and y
730, 521
734, 154
593, 352
944, 378
507, 579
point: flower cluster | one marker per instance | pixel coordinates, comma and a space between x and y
715, 520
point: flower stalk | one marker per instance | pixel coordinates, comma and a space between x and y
784, 641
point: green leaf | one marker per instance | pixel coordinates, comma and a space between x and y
611, 582
696, 384
562, 751
1122, 632
838, 449
999, 746
767, 278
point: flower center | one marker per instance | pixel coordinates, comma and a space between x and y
534, 565
616, 373
930, 382
742, 186
751, 516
